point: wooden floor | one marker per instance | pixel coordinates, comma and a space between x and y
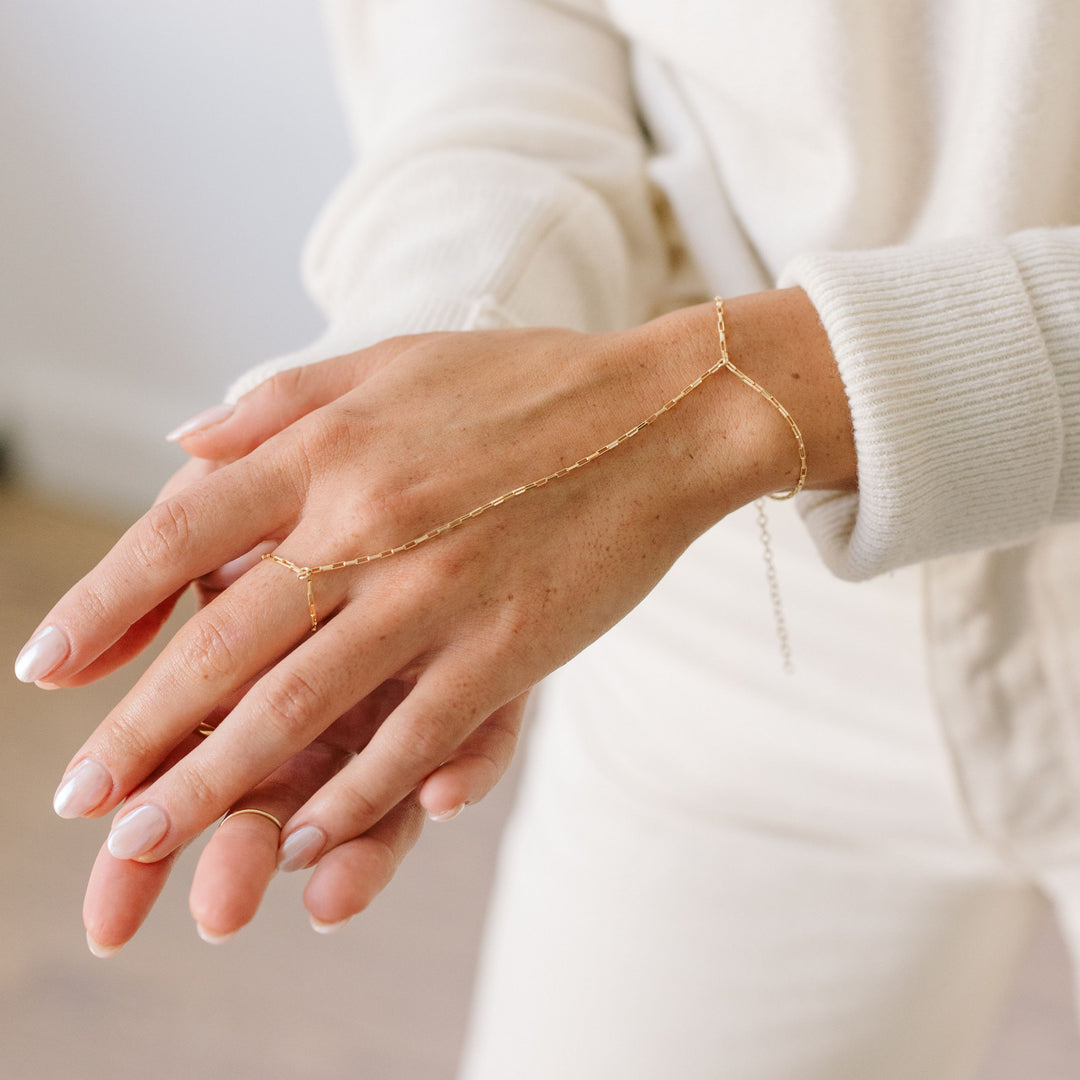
385, 999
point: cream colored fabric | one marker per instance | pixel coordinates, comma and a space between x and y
962, 364
502, 167
714, 871
914, 166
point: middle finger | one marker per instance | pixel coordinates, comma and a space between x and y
287, 708
208, 660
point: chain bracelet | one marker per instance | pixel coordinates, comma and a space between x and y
306, 574
772, 581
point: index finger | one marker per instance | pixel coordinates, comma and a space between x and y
179, 539
145, 629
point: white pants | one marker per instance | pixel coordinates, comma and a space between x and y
716, 870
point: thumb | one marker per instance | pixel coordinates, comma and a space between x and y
226, 432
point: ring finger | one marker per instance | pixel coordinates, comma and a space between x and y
240, 859
289, 707
211, 656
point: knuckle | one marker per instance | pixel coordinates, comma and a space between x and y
381, 511
321, 436
207, 651
317, 443
94, 607
284, 387
164, 531
357, 807
420, 744
390, 503
289, 703
198, 793
128, 740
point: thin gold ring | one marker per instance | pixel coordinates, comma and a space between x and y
205, 729
252, 810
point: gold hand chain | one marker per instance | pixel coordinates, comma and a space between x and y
307, 574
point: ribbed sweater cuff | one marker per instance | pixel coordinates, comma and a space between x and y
1049, 264
958, 420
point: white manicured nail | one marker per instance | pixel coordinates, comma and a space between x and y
210, 937
82, 789
42, 654
200, 421
137, 832
103, 952
447, 815
326, 927
301, 847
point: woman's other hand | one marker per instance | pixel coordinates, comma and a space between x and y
238, 862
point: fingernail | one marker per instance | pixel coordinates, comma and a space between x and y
301, 847
211, 938
137, 832
82, 789
326, 927
103, 952
446, 815
207, 418
43, 653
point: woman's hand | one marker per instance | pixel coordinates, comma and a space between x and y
471, 620
237, 864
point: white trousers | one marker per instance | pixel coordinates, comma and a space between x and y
714, 870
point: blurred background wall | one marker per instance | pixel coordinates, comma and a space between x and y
161, 164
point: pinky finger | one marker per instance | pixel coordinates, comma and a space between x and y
349, 877
477, 766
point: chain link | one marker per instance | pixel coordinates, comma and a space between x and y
307, 573
773, 583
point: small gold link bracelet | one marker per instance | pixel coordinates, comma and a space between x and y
307, 574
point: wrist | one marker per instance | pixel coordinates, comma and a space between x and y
734, 444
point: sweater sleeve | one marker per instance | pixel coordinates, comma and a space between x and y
501, 176
961, 362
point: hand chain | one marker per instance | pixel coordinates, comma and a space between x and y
306, 574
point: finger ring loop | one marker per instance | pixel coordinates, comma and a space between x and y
252, 810
306, 574
205, 729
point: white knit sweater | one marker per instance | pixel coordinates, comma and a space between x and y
914, 165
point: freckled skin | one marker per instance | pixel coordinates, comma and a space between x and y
422, 661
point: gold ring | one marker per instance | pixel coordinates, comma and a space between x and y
205, 729
252, 810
